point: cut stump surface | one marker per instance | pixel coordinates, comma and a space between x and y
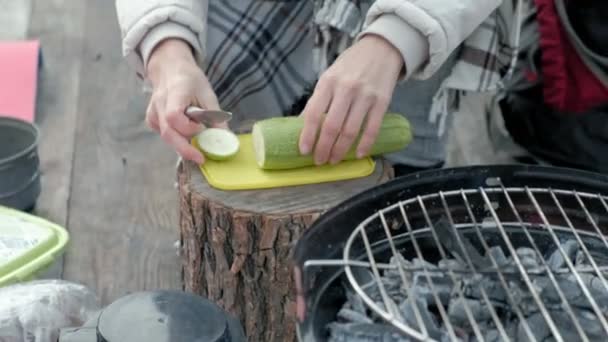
236, 245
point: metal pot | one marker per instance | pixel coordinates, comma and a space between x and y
320, 271
19, 164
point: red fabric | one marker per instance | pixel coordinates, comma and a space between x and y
569, 85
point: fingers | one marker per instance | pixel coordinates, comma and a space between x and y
349, 102
351, 129
332, 126
372, 127
166, 116
313, 114
180, 143
175, 108
174, 92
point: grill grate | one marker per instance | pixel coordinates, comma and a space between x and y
551, 237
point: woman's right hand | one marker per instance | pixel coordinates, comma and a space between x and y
177, 83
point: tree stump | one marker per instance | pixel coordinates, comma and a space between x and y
236, 245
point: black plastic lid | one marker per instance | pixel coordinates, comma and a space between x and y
166, 316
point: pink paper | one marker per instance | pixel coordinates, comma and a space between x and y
18, 79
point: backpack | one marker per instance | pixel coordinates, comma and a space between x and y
557, 109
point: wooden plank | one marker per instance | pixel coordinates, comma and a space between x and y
59, 26
15, 18
123, 207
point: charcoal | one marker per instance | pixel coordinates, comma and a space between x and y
392, 307
549, 293
511, 327
458, 289
393, 285
565, 326
538, 326
458, 315
423, 264
442, 283
492, 336
451, 264
446, 338
499, 256
557, 261
572, 291
355, 302
428, 319
353, 316
596, 287
580, 258
593, 282
364, 332
364, 278
394, 291
457, 244
372, 291
493, 289
461, 335
399, 260
589, 323
529, 258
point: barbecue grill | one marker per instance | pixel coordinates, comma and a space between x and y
467, 254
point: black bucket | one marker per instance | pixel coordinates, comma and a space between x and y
19, 164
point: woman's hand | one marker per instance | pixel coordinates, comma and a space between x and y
355, 91
178, 82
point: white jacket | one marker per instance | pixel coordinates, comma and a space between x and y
425, 31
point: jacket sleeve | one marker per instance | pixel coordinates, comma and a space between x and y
426, 32
145, 23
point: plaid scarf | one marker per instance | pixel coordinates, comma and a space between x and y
336, 24
257, 49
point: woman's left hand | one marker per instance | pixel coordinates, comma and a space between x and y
357, 88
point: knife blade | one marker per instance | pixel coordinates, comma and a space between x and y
208, 117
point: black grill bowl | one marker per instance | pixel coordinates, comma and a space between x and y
319, 288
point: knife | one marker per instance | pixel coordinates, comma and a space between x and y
208, 117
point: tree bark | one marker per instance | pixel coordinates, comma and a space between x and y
236, 245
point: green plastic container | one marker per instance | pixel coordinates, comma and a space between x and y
28, 245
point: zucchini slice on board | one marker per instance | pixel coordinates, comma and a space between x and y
218, 143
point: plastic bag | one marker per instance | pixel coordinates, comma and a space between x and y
36, 311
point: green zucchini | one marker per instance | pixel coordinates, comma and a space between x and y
218, 143
276, 141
